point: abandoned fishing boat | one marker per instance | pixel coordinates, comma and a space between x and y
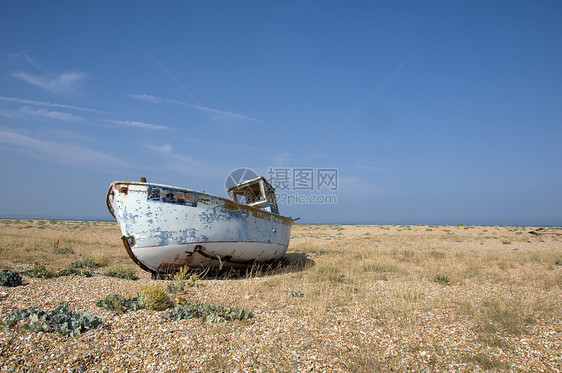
165, 228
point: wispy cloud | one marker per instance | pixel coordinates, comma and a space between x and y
25, 56
66, 116
57, 115
225, 114
65, 82
26, 111
154, 99
232, 115
59, 152
134, 123
46, 104
163, 149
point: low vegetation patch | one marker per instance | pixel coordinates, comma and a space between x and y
334, 274
376, 268
63, 250
38, 271
185, 278
442, 278
61, 320
79, 268
154, 297
121, 271
86, 263
184, 273
182, 282
119, 304
208, 313
10, 278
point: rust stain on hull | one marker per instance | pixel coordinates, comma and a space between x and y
132, 256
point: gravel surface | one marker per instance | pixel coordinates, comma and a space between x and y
392, 317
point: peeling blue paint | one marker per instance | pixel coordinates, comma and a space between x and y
161, 224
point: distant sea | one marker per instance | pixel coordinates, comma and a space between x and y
301, 222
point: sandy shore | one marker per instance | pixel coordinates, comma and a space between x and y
375, 298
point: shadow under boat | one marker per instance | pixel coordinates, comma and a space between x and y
290, 263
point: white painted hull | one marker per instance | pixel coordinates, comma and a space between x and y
165, 228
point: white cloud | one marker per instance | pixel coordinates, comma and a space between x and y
165, 149
59, 152
47, 104
149, 98
230, 115
67, 117
224, 114
134, 123
57, 115
65, 82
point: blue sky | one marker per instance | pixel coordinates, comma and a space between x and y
432, 112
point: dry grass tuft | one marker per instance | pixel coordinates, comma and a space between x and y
154, 297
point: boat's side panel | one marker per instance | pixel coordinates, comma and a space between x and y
167, 225
215, 254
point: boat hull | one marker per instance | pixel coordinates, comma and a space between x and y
165, 228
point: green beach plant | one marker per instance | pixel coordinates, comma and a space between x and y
121, 271
119, 304
61, 320
442, 278
10, 278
